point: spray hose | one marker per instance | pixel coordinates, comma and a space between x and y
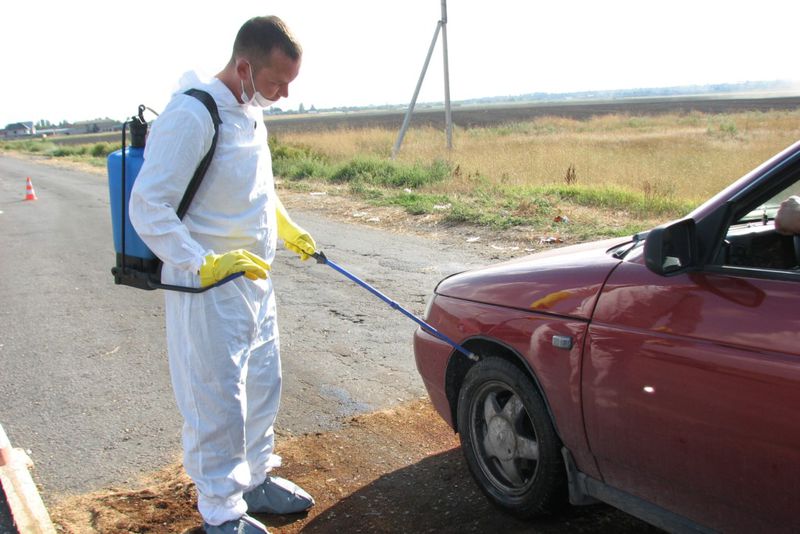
321, 258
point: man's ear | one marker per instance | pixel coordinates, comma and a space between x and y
242, 68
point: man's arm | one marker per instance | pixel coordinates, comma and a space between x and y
178, 140
787, 220
294, 237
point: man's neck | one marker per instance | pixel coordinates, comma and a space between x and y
229, 78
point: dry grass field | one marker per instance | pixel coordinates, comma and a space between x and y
608, 169
687, 157
607, 175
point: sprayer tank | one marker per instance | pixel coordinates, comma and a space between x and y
134, 157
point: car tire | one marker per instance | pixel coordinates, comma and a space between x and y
508, 439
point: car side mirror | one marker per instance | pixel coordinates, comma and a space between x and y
671, 248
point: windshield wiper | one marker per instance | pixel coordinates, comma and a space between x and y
636, 239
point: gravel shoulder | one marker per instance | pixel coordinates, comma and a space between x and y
392, 471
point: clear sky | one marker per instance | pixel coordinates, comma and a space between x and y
75, 60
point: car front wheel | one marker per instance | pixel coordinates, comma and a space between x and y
508, 439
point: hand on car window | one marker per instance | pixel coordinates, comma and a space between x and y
787, 220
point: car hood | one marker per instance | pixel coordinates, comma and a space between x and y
563, 281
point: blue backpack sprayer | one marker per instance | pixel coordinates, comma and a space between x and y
137, 266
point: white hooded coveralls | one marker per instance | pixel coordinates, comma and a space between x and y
223, 343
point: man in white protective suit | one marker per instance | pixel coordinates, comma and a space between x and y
223, 343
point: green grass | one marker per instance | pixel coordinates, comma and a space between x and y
386, 173
299, 163
416, 203
538, 207
92, 153
440, 188
30, 146
615, 198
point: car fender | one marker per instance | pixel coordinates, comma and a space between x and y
526, 340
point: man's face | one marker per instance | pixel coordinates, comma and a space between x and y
273, 79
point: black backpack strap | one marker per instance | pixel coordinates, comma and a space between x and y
194, 184
199, 173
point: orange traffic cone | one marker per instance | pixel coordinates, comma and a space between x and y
30, 194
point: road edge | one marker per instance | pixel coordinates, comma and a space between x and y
26, 505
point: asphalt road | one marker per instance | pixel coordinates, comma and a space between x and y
85, 383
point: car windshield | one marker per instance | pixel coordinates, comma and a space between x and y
764, 212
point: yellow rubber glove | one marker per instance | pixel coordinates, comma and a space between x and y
294, 238
219, 266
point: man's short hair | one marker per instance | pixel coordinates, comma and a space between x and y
259, 35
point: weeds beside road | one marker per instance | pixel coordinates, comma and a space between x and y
571, 180
608, 176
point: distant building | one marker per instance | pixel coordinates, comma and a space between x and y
95, 126
19, 129
48, 132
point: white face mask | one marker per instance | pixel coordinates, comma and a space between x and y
257, 100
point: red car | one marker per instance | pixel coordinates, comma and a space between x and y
658, 373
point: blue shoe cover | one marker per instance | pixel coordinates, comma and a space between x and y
243, 525
278, 496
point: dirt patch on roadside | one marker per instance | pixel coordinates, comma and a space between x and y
488, 242
396, 470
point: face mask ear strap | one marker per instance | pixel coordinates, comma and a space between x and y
247, 99
252, 78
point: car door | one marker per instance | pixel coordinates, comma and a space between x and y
691, 388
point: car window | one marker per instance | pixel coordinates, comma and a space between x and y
752, 242
769, 208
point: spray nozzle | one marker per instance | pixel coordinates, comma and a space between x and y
138, 127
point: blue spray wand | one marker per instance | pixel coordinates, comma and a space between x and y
321, 258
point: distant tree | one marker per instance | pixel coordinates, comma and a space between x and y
301, 108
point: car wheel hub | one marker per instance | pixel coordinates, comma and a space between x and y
502, 441
508, 449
